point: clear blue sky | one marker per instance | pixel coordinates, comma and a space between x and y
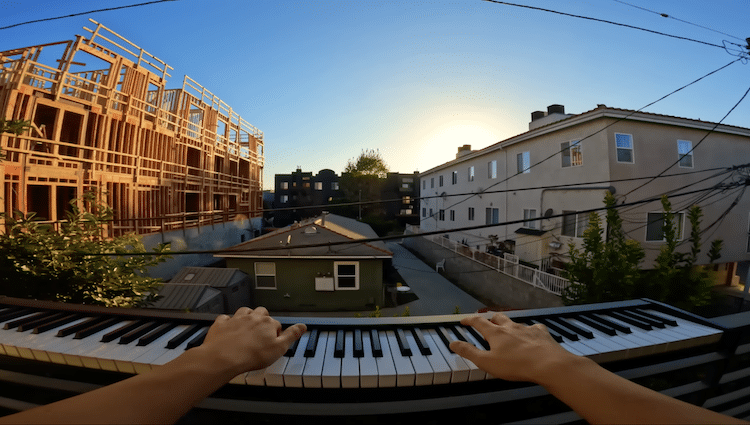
416, 79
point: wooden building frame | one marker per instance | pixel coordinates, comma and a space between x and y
103, 120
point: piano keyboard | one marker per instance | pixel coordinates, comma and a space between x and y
337, 353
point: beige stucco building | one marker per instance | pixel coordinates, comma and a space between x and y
565, 163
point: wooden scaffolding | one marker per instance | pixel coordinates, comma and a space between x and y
103, 120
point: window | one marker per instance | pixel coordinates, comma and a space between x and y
471, 173
492, 169
655, 226
471, 213
265, 275
440, 181
684, 152
571, 154
405, 185
441, 215
406, 200
573, 224
424, 212
624, 145
527, 215
424, 184
284, 185
455, 177
318, 185
523, 162
432, 182
346, 275
493, 215
431, 213
407, 180
334, 185
306, 184
284, 199
453, 215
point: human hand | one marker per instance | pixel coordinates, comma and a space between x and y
249, 340
517, 352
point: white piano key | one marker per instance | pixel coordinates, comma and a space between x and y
387, 376
11, 335
368, 366
28, 346
423, 374
145, 354
296, 364
694, 329
74, 352
441, 372
349, 364
274, 375
475, 373
312, 376
331, 375
405, 375
479, 374
459, 368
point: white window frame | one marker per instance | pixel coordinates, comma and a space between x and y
441, 215
527, 215
336, 275
432, 182
284, 185
492, 215
580, 224
318, 185
471, 213
452, 215
455, 177
255, 267
284, 199
492, 169
471, 173
573, 146
680, 219
621, 147
440, 181
688, 153
523, 162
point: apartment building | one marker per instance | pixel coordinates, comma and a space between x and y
303, 189
103, 120
565, 163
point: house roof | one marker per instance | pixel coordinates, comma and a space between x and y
184, 297
311, 239
211, 276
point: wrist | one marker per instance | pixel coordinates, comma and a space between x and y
554, 367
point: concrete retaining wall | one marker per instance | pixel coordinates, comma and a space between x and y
473, 277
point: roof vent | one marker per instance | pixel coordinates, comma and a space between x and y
536, 115
311, 230
555, 109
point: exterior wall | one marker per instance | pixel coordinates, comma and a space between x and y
163, 159
295, 286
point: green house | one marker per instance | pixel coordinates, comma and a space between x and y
315, 265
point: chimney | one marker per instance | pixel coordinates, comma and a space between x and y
536, 115
463, 150
323, 219
555, 109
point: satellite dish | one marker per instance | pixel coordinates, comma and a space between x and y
548, 213
444, 195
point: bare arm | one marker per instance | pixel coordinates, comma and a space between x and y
528, 353
249, 340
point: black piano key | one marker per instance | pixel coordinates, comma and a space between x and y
577, 329
629, 320
197, 340
338, 350
312, 343
479, 337
670, 322
377, 350
557, 327
67, 318
601, 327
95, 327
13, 312
52, 316
183, 336
359, 348
403, 344
611, 324
463, 334
653, 322
122, 330
138, 332
156, 333
421, 343
556, 336
292, 349
445, 336
20, 321
78, 326
458, 334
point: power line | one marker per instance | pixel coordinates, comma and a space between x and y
604, 21
84, 13
677, 19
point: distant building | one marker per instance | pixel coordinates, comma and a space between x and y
288, 276
402, 190
566, 162
303, 189
205, 290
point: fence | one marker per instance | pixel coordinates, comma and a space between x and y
508, 265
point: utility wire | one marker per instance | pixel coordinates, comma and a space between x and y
677, 19
604, 21
83, 13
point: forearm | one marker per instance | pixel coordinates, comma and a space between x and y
600, 396
160, 396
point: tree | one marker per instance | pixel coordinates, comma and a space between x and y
14, 126
606, 270
74, 261
363, 180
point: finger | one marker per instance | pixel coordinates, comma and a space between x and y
292, 333
482, 325
464, 349
500, 319
221, 318
243, 310
261, 311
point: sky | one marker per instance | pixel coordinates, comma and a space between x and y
326, 80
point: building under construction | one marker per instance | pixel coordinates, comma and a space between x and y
103, 120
